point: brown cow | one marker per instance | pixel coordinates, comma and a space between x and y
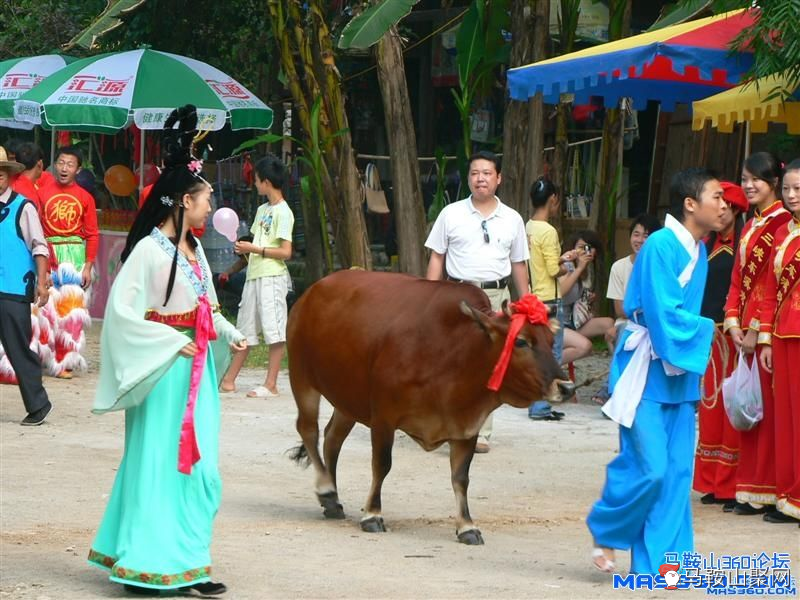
398, 352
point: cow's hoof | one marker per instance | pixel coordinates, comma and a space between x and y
471, 537
373, 525
331, 508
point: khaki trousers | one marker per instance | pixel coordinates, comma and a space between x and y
496, 297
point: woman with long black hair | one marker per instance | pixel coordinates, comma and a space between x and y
157, 364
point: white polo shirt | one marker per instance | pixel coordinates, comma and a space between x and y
458, 233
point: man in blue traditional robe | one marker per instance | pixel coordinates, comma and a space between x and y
655, 382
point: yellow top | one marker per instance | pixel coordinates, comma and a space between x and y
273, 223
545, 251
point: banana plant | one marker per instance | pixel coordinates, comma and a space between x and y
441, 184
370, 26
480, 48
312, 160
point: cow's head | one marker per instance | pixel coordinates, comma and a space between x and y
532, 367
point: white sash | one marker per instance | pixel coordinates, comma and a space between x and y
621, 407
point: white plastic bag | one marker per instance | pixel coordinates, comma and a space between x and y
742, 394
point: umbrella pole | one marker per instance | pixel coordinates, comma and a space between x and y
747, 139
52, 146
141, 163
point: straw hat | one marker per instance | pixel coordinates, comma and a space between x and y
11, 166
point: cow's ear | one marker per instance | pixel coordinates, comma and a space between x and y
554, 326
480, 318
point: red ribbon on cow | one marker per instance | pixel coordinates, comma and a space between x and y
529, 308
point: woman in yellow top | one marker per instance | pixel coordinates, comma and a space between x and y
547, 265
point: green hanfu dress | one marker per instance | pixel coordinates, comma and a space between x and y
156, 530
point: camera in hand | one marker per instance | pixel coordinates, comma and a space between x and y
587, 248
244, 238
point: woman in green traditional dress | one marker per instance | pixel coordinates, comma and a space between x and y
157, 364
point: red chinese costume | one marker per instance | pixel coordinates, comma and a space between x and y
718, 447
780, 326
745, 308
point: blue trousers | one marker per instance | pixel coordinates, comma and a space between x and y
543, 407
645, 504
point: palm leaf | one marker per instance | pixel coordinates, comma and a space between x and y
105, 22
367, 28
680, 13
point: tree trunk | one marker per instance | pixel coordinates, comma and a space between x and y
409, 216
352, 241
569, 15
315, 257
304, 42
514, 192
560, 158
535, 145
609, 168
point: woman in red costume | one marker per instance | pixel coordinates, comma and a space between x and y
744, 310
780, 351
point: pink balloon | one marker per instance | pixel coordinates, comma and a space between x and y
226, 221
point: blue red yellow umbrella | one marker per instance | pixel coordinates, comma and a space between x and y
681, 63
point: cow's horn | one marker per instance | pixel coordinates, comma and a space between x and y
506, 309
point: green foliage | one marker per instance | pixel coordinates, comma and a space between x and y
367, 28
480, 49
674, 14
234, 36
33, 27
107, 20
441, 180
470, 42
568, 16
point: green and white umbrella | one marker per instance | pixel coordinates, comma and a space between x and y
18, 76
108, 92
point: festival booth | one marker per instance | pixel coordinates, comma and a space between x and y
674, 66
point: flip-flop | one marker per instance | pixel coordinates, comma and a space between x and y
608, 564
261, 392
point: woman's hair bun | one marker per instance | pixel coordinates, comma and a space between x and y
177, 141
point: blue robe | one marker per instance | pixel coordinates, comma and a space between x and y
645, 505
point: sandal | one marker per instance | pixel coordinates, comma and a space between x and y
600, 397
262, 392
607, 566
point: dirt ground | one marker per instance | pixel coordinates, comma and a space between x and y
529, 496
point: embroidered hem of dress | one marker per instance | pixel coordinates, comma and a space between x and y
756, 497
148, 579
789, 506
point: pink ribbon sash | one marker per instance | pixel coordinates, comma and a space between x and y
188, 452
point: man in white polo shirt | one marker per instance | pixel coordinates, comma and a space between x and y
483, 242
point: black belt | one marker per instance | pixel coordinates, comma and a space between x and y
498, 284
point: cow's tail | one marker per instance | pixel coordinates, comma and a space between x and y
299, 454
